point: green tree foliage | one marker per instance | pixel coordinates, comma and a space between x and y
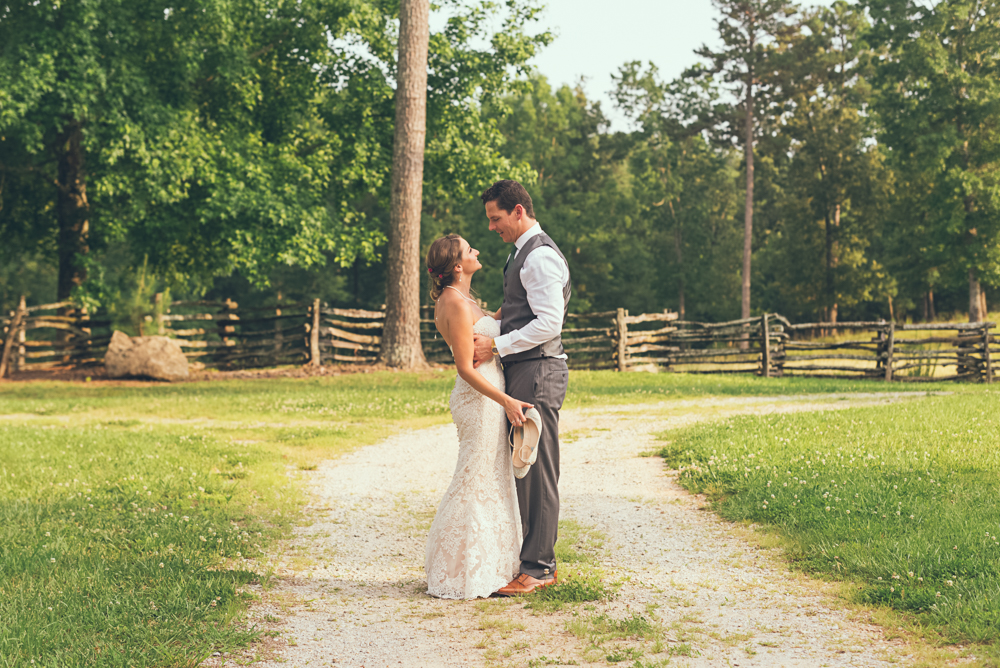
938, 104
221, 136
748, 29
687, 189
819, 253
247, 146
188, 131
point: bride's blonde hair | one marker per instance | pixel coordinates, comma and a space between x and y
442, 257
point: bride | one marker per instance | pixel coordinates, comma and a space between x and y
475, 540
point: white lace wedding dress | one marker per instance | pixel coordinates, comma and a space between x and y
475, 540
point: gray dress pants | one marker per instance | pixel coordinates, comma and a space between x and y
541, 382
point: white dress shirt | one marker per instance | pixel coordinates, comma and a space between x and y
543, 276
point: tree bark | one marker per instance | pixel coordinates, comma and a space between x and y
748, 206
832, 260
679, 249
975, 299
72, 211
401, 337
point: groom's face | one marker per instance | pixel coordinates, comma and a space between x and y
507, 225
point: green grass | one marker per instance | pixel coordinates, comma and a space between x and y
110, 481
128, 514
595, 388
902, 501
617, 640
580, 580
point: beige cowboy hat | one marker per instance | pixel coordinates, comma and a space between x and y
524, 441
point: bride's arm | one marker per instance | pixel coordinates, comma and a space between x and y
459, 324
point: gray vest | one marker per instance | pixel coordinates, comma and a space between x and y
516, 312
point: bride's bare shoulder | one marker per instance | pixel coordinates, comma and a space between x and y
451, 307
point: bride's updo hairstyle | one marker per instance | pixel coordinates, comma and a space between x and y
442, 257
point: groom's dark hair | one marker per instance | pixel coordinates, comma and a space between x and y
508, 194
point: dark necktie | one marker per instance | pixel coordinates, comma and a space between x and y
509, 258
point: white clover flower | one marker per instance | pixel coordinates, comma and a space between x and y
161, 564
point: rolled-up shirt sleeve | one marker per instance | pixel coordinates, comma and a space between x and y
543, 275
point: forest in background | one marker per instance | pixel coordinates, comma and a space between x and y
236, 149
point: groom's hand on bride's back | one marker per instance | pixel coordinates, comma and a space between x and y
481, 350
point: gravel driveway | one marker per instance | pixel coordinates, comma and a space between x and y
350, 587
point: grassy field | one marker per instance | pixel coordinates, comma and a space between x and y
592, 388
131, 514
902, 502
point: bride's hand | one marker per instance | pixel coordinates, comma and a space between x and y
515, 410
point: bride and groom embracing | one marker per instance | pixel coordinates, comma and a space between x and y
495, 530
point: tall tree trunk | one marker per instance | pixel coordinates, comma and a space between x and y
832, 260
748, 207
72, 211
975, 298
401, 336
679, 249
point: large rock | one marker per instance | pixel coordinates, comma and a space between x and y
150, 356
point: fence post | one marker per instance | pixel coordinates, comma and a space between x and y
224, 330
21, 359
279, 338
158, 313
622, 337
986, 355
15, 327
83, 349
889, 345
766, 349
314, 335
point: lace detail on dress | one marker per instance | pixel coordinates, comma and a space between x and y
475, 540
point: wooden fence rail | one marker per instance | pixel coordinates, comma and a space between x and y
221, 334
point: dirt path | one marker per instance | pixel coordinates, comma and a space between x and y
350, 586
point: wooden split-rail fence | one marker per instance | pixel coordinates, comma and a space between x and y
221, 334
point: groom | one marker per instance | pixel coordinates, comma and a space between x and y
536, 290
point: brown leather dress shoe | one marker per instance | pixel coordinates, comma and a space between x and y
525, 584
